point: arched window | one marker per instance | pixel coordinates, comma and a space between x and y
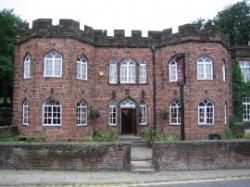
143, 72
128, 72
26, 112
173, 76
27, 67
175, 113
246, 109
53, 64
225, 112
205, 113
113, 71
112, 113
81, 68
143, 113
52, 113
204, 68
127, 103
224, 71
81, 114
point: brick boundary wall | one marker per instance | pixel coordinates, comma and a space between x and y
65, 156
201, 155
9, 130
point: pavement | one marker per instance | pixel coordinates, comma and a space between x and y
112, 179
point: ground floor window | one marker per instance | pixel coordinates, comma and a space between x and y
81, 114
175, 113
246, 109
25, 112
143, 114
112, 113
205, 113
52, 113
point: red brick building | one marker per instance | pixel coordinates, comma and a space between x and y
69, 82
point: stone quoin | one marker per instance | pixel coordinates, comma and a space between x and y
70, 82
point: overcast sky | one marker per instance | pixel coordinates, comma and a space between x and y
119, 14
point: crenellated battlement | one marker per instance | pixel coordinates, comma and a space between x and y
99, 38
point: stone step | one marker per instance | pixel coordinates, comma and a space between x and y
142, 166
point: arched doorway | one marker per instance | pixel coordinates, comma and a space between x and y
128, 116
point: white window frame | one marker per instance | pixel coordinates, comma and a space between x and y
81, 68
245, 70
112, 113
205, 110
224, 71
143, 114
172, 69
225, 113
142, 72
81, 114
27, 67
175, 106
53, 59
113, 71
128, 72
47, 105
204, 62
26, 112
246, 108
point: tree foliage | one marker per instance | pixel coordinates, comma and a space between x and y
238, 91
9, 25
235, 21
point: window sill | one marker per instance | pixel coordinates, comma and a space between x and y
143, 124
175, 124
81, 125
52, 125
25, 124
113, 125
206, 124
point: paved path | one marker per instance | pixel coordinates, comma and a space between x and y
24, 177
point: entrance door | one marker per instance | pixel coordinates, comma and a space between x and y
128, 120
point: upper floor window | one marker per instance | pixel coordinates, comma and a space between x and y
143, 113
53, 64
173, 77
52, 113
205, 113
204, 68
246, 109
26, 112
175, 113
81, 114
113, 71
245, 70
112, 113
81, 68
128, 72
142, 72
224, 71
27, 67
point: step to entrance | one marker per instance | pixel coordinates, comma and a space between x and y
135, 141
142, 166
141, 155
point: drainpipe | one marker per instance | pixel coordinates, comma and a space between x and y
154, 86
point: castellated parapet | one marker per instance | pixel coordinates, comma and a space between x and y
71, 28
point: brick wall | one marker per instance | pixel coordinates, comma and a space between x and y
65, 156
201, 155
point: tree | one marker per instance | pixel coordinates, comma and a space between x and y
9, 25
235, 21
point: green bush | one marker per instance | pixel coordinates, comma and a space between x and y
149, 134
